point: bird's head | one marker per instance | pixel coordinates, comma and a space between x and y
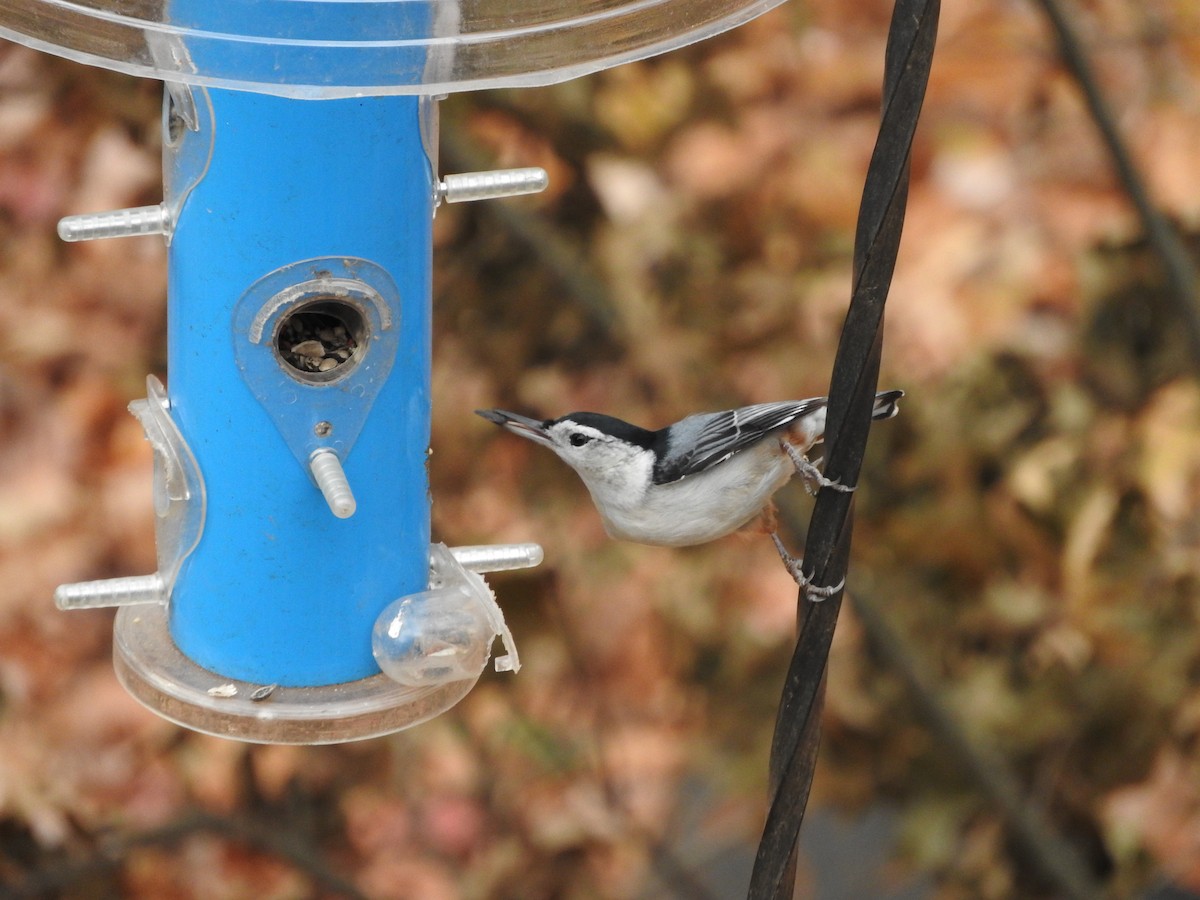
602, 449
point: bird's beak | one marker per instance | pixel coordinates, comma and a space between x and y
517, 424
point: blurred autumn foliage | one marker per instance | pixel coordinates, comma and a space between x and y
1030, 524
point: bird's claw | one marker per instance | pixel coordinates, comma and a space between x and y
814, 479
814, 593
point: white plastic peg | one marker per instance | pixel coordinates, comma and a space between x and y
115, 223
498, 557
127, 591
489, 185
327, 471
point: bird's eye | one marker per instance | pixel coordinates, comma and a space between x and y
578, 439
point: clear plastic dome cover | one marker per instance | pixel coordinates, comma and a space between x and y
338, 48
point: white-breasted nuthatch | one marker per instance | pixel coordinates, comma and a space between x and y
697, 480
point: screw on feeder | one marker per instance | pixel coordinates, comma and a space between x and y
327, 471
490, 185
115, 223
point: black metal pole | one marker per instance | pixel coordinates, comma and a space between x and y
851, 397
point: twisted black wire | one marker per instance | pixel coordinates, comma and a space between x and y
851, 397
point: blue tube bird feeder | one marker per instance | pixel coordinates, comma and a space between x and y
298, 597
257, 315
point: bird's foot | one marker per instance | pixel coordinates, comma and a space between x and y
815, 593
814, 479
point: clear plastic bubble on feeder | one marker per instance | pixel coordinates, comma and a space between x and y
445, 634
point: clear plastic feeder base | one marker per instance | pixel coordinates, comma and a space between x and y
152, 669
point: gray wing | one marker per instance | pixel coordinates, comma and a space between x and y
701, 441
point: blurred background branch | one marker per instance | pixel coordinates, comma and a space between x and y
1179, 269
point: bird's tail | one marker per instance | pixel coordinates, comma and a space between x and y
887, 404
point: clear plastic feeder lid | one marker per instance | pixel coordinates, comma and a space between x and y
338, 48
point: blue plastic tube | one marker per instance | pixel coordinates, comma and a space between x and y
279, 590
